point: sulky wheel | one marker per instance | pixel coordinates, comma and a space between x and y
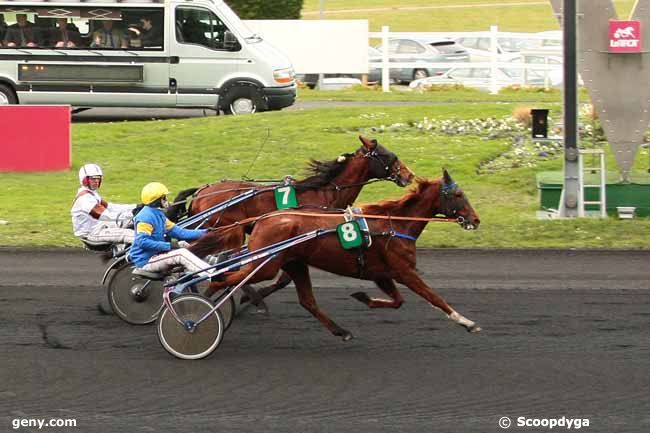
134, 299
185, 341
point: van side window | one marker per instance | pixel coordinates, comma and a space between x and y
20, 31
96, 28
200, 27
145, 29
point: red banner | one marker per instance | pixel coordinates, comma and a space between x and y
624, 36
35, 137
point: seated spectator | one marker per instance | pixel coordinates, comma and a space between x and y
3, 28
146, 35
21, 34
108, 37
64, 37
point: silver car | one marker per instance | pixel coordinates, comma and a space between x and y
470, 76
422, 51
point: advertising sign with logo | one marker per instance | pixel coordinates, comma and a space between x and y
624, 36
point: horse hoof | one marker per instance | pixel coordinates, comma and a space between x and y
361, 297
261, 308
345, 335
474, 328
104, 310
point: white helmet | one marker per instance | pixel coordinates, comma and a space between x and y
89, 170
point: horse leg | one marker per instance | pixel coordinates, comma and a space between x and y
281, 282
299, 272
387, 286
415, 283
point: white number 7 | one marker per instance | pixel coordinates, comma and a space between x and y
285, 194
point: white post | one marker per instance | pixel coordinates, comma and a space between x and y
547, 78
581, 183
525, 71
321, 15
494, 59
385, 64
603, 185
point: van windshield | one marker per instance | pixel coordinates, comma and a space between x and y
238, 25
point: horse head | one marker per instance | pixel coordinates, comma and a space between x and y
384, 164
453, 203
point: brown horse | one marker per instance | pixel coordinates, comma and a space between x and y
333, 184
391, 257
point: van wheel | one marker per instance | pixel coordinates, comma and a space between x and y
420, 73
7, 95
243, 100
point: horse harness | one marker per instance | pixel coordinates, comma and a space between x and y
382, 161
450, 206
351, 214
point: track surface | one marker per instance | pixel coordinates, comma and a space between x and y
565, 334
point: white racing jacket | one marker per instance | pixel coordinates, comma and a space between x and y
89, 208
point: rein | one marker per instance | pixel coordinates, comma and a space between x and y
336, 187
330, 215
271, 188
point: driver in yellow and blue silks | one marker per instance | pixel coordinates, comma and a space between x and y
150, 251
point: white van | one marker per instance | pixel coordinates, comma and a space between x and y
167, 53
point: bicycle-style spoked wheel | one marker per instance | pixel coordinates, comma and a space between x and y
135, 300
185, 341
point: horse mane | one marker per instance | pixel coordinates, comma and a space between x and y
321, 173
391, 206
179, 207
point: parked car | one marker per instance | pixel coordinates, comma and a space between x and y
538, 76
374, 72
479, 78
422, 51
479, 47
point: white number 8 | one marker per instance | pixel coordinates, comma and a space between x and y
349, 232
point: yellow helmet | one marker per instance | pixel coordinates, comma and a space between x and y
152, 192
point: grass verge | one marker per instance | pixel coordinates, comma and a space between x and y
191, 152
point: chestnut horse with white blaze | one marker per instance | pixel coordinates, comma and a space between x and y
391, 257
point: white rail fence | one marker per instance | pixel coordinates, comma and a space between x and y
494, 62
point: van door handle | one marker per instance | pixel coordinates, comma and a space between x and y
174, 60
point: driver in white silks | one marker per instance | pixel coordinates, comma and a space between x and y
151, 251
95, 219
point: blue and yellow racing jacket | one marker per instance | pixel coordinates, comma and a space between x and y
151, 226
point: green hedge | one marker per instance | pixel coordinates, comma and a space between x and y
266, 10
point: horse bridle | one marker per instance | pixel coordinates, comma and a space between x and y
450, 207
383, 162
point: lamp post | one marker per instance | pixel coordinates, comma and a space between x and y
570, 199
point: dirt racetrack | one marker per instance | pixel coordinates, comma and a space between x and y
565, 334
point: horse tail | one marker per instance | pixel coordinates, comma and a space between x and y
213, 242
209, 243
179, 207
